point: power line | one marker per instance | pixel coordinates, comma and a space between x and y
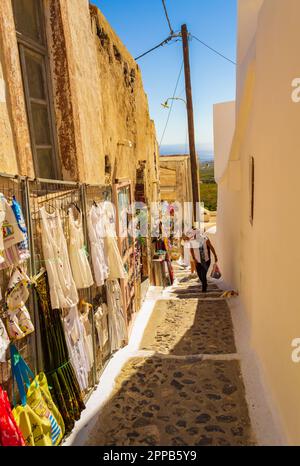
213, 50
171, 106
164, 42
167, 16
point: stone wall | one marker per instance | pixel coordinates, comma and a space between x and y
128, 132
101, 111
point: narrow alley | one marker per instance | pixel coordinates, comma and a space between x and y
183, 386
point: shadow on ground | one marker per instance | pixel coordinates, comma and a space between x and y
175, 397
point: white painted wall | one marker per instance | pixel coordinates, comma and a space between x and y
262, 260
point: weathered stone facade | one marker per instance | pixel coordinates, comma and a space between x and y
103, 127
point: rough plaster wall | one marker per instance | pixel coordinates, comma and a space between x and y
68, 134
87, 98
15, 150
128, 133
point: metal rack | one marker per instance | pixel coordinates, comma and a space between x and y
15, 186
59, 195
96, 194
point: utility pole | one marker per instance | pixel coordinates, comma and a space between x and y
190, 116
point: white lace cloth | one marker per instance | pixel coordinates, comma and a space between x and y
74, 332
4, 341
96, 234
63, 292
115, 262
78, 256
116, 318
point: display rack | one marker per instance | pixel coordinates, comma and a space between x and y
123, 199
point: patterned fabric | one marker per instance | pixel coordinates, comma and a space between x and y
55, 429
61, 377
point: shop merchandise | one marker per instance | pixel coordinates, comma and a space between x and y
4, 341
13, 237
61, 377
96, 235
74, 332
19, 322
87, 331
10, 434
12, 227
23, 246
63, 290
2, 218
115, 263
116, 320
37, 417
101, 324
78, 254
161, 247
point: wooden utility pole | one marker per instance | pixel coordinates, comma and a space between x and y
190, 116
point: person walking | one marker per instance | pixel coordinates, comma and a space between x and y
201, 249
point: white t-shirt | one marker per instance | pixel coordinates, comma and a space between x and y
197, 241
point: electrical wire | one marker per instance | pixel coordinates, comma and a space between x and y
213, 50
167, 17
164, 42
171, 106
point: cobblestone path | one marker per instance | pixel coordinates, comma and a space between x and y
185, 387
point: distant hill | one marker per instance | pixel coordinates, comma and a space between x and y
205, 155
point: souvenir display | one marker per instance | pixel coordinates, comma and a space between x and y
76, 337
37, 416
63, 292
96, 235
116, 319
78, 254
61, 376
4, 341
19, 322
79, 351
10, 434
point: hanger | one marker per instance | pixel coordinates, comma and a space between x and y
74, 204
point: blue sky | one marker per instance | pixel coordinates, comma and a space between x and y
141, 24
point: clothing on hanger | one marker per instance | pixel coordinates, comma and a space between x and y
114, 259
4, 341
78, 255
87, 331
116, 319
74, 332
61, 376
63, 290
96, 236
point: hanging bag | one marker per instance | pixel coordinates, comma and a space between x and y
38, 418
10, 434
216, 272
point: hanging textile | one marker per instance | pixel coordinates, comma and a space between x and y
74, 332
19, 322
4, 341
60, 373
101, 324
14, 247
37, 416
78, 254
63, 290
116, 319
96, 236
87, 331
115, 262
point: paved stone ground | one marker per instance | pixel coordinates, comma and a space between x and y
190, 391
188, 327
